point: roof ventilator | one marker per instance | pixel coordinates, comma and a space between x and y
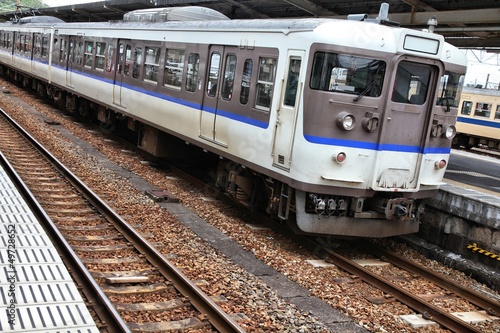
191, 13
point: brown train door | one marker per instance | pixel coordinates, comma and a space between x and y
220, 72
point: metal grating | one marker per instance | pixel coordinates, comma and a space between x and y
36, 290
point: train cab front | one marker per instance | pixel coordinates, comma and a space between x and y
379, 136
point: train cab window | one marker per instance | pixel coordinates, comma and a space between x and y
228, 81
174, 68
100, 55
497, 113
265, 83
152, 64
466, 108
192, 72
246, 81
411, 83
87, 57
482, 110
450, 89
347, 74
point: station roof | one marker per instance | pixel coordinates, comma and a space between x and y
464, 23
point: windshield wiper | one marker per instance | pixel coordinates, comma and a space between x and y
367, 89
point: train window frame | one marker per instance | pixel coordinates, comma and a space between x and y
27, 43
497, 113
450, 89
174, 68
466, 108
192, 72
347, 74
151, 64
265, 83
246, 81
88, 54
229, 75
482, 110
100, 56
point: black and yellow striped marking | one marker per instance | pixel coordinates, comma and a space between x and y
474, 248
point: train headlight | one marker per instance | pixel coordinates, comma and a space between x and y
340, 157
346, 121
440, 165
449, 132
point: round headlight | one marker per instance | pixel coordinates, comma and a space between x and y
440, 165
449, 132
346, 121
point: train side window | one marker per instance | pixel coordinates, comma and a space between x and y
192, 72
497, 113
482, 110
27, 43
292, 82
128, 60
37, 45
265, 83
228, 81
45, 46
174, 68
87, 56
246, 81
213, 77
136, 70
466, 108
100, 55
79, 54
109, 58
152, 64
62, 50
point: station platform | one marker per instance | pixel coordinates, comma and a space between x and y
37, 292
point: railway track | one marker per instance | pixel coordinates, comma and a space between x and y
419, 303
131, 275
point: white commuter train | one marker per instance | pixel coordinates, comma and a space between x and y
338, 127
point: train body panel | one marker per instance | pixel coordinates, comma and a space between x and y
331, 122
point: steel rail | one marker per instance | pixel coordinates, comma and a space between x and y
427, 310
98, 299
491, 306
203, 303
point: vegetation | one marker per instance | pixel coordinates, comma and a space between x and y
10, 5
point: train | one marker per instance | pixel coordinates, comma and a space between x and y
334, 127
478, 122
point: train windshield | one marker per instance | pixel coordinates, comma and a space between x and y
450, 89
347, 74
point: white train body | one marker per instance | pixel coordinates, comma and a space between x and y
294, 137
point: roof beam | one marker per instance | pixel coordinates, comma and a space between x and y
471, 16
310, 7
